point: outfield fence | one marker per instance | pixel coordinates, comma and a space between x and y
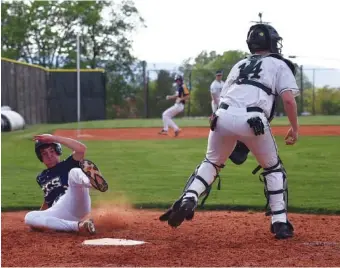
44, 95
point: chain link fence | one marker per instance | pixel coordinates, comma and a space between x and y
320, 92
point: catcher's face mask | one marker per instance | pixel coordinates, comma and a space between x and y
49, 156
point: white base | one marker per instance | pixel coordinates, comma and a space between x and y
112, 242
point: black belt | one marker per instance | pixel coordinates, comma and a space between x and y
249, 109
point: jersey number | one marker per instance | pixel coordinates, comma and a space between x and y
253, 68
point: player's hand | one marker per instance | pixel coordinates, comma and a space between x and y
46, 138
167, 97
291, 137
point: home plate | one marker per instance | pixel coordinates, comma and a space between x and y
112, 242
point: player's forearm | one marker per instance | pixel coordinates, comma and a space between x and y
291, 111
185, 98
72, 144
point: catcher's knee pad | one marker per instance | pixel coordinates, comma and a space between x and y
198, 174
275, 184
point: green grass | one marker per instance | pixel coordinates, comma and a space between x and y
152, 173
182, 122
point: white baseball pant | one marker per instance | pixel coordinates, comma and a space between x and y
169, 114
232, 126
215, 102
71, 208
214, 106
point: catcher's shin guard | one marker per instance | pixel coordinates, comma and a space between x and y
281, 228
208, 187
184, 207
278, 168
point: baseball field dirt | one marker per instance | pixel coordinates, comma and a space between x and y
213, 238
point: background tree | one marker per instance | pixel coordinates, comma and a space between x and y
45, 32
203, 73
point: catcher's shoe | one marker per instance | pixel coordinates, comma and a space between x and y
282, 230
186, 211
87, 226
163, 132
93, 173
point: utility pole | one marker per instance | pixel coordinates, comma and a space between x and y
301, 88
190, 92
146, 93
313, 107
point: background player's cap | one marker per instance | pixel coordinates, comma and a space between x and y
219, 72
178, 77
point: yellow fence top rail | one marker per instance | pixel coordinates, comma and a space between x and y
52, 70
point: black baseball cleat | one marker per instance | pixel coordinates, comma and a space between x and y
185, 212
95, 176
163, 132
177, 132
282, 230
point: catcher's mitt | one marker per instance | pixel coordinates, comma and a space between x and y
240, 153
93, 173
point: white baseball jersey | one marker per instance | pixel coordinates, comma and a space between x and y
216, 88
273, 73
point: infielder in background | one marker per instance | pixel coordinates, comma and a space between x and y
215, 90
182, 95
248, 101
65, 185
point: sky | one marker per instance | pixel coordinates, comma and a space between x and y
181, 29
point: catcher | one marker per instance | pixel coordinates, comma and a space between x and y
246, 108
65, 185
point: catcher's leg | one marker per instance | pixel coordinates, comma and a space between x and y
275, 181
219, 149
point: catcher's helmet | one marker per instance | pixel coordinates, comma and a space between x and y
264, 37
40, 145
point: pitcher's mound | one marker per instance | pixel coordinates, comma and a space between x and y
112, 242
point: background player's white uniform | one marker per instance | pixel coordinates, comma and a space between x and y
232, 124
174, 110
215, 90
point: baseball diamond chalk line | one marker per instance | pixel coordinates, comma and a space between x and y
112, 242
